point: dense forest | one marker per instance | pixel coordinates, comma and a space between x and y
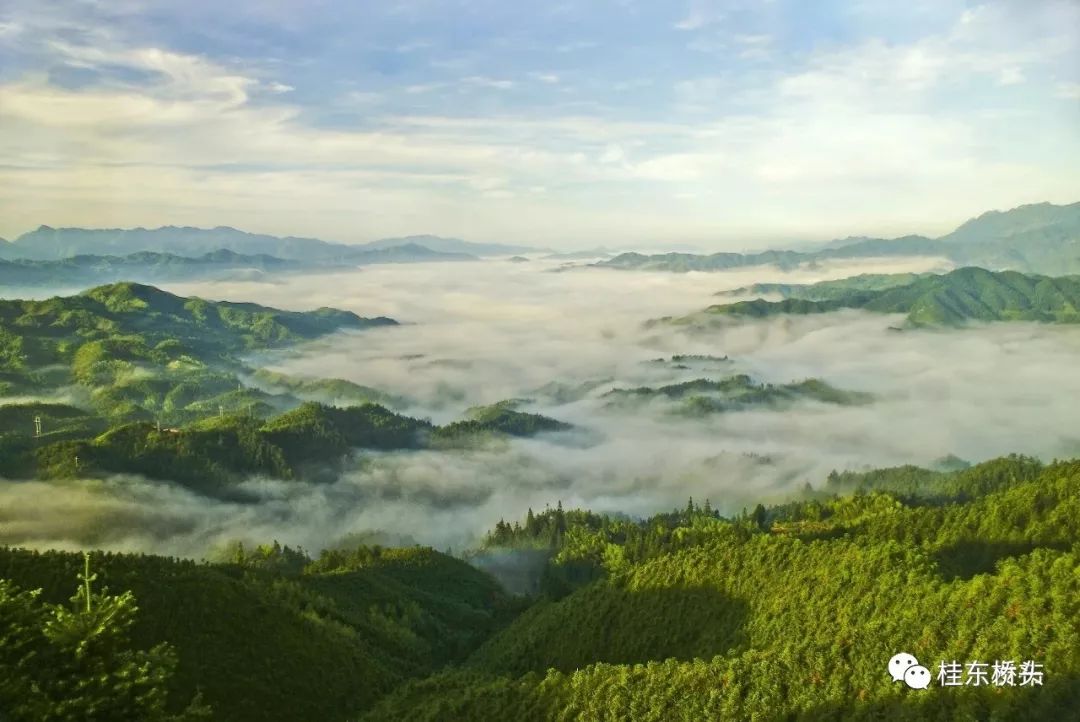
784, 612
150, 383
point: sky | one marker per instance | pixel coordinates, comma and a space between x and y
729, 124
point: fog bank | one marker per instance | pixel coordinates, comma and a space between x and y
476, 333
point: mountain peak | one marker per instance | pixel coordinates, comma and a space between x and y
130, 296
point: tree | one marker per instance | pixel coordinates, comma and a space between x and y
759, 516
69, 664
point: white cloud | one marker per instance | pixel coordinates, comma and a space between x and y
874, 132
485, 82
1068, 91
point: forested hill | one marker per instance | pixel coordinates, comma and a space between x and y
825, 290
34, 333
791, 612
266, 636
966, 294
1037, 238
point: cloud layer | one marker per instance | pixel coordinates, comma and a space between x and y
482, 332
726, 123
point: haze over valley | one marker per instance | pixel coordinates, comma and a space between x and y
567, 344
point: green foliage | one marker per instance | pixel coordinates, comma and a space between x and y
793, 612
77, 663
704, 396
212, 453
315, 432
261, 640
336, 392
828, 290
967, 294
130, 322
496, 420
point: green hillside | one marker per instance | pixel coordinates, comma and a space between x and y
734, 393
130, 322
793, 612
338, 392
826, 290
501, 419
967, 294
212, 454
787, 612
259, 643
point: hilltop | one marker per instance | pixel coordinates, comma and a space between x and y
126, 321
966, 294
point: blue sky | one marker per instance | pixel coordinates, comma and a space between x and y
722, 123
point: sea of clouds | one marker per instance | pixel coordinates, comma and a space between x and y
479, 332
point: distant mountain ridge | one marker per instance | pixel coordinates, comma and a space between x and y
450, 245
221, 264
144, 265
47, 243
1037, 238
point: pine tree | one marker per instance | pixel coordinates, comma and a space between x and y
73, 663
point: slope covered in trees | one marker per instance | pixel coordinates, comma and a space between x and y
827, 290
211, 454
705, 396
261, 639
793, 612
785, 612
966, 294
134, 322
502, 418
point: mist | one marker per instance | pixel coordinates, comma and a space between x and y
477, 333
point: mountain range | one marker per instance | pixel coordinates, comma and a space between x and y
46, 243
1038, 238
222, 264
